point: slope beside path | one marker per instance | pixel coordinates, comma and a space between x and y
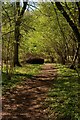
26, 101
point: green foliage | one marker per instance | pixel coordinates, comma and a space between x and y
43, 32
20, 74
63, 97
52, 35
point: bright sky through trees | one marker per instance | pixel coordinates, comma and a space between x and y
41, 1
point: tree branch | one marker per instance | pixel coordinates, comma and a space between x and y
72, 25
23, 9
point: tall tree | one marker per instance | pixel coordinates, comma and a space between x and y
49, 34
18, 20
74, 26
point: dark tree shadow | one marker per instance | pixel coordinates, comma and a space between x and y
26, 101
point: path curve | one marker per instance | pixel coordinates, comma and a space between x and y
26, 101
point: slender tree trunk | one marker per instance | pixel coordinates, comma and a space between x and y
79, 55
16, 44
74, 60
18, 18
78, 5
72, 25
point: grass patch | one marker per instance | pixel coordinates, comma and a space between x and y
64, 97
20, 74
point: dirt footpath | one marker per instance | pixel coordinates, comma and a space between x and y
26, 101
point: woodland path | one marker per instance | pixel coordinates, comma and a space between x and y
26, 101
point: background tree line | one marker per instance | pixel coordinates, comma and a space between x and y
47, 29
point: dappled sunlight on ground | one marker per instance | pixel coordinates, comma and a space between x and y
63, 98
26, 101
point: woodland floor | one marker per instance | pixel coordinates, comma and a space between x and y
26, 101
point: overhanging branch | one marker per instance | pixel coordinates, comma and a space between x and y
72, 25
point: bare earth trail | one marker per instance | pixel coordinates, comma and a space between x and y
25, 102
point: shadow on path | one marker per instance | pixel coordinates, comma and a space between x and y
26, 101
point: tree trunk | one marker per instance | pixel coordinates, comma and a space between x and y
16, 44
79, 55
18, 17
52, 59
74, 59
72, 25
78, 5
